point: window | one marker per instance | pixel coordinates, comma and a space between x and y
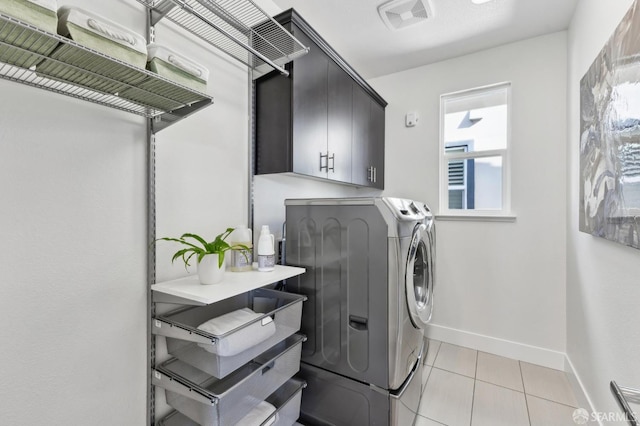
474, 152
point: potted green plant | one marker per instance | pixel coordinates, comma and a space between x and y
210, 255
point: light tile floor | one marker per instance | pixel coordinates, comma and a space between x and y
472, 388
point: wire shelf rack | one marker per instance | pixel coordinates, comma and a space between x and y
51, 62
237, 27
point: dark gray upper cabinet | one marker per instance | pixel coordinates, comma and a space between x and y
368, 140
323, 120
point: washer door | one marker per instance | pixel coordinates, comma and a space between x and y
419, 275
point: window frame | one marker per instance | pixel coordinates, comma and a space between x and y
504, 214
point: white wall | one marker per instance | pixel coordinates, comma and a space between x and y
73, 223
508, 297
603, 337
73, 295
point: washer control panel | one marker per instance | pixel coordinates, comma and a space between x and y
405, 209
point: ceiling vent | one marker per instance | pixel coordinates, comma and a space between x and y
399, 14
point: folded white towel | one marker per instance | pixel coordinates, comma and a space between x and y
259, 414
240, 340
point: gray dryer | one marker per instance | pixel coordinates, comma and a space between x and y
369, 284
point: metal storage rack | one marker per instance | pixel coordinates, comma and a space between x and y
242, 30
26, 57
286, 399
185, 341
237, 27
278, 311
219, 402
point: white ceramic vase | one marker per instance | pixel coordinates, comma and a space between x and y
208, 270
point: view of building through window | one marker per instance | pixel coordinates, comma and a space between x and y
475, 133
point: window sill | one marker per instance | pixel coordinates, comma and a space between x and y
477, 217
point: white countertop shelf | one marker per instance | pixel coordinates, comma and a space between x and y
189, 291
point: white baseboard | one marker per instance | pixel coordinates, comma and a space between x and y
506, 348
578, 388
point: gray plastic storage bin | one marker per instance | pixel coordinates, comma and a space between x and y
103, 35
220, 402
40, 14
286, 400
114, 64
23, 42
176, 67
183, 336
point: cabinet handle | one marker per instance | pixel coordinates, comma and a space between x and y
326, 166
333, 162
268, 367
372, 174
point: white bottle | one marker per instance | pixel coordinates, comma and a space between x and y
241, 260
266, 251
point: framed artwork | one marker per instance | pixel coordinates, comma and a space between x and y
610, 137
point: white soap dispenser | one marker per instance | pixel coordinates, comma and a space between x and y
266, 251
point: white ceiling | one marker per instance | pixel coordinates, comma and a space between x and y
354, 29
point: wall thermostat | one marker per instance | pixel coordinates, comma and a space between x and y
411, 119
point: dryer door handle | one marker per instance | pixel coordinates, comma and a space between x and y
359, 323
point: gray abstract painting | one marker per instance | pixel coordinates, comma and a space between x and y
610, 137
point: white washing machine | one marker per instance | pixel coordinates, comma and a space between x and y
369, 284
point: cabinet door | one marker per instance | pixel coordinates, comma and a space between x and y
339, 125
377, 144
310, 74
368, 140
360, 148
